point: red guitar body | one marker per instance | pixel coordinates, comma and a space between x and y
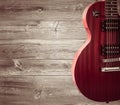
87, 74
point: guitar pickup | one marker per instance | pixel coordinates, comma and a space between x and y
111, 60
110, 25
110, 50
110, 69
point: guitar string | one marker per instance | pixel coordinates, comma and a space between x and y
109, 35
106, 31
111, 30
112, 22
117, 38
114, 30
107, 40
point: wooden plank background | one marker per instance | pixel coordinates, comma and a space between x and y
38, 41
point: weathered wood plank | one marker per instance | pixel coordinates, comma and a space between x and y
42, 10
39, 49
34, 90
44, 4
42, 90
41, 42
44, 34
40, 15
16, 91
42, 30
35, 67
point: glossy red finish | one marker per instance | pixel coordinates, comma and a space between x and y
86, 69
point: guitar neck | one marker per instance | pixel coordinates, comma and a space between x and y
111, 10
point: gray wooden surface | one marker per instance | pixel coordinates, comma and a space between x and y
38, 41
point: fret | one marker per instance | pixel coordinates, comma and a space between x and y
111, 24
111, 17
114, 5
111, 14
111, 1
111, 9
114, 11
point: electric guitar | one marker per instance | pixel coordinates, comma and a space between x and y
96, 67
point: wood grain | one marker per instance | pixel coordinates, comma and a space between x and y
39, 49
66, 5
42, 10
47, 90
46, 30
35, 67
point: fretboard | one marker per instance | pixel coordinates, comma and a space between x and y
111, 9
